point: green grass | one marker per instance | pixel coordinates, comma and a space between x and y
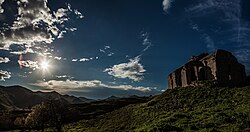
183, 109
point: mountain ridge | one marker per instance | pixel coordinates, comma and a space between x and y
19, 97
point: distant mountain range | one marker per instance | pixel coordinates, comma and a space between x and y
18, 101
18, 97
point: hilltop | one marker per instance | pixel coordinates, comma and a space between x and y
181, 109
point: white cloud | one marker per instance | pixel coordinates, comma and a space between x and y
1, 8
32, 15
110, 54
72, 29
25, 51
4, 60
166, 4
130, 87
4, 75
57, 58
84, 59
26, 28
61, 34
64, 77
71, 85
106, 47
61, 12
74, 60
101, 50
79, 14
29, 64
132, 70
68, 84
106, 50
17, 52
93, 88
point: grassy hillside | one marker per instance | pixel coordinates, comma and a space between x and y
183, 109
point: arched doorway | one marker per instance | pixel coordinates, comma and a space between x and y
202, 74
193, 76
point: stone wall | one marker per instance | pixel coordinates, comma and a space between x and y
230, 71
221, 67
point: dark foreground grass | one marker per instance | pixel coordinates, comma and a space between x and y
182, 109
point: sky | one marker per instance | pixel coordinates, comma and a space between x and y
97, 48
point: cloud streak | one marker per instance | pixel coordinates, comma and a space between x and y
230, 25
94, 86
209, 42
146, 41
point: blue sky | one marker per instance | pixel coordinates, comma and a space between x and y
97, 48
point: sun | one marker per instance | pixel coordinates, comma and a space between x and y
44, 65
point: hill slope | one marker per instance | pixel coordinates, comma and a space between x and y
183, 109
14, 97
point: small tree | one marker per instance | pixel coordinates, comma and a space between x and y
37, 117
52, 113
58, 112
19, 122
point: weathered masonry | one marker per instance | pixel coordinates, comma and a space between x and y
220, 67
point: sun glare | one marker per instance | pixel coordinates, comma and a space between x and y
44, 65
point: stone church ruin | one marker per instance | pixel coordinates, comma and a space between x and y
220, 67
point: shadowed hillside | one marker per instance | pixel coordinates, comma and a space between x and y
18, 97
182, 109
19, 106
